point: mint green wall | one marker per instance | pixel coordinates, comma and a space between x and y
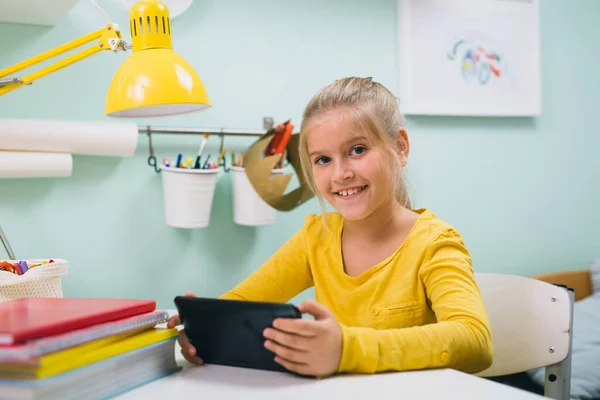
523, 192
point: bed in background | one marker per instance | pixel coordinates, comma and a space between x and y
585, 364
579, 280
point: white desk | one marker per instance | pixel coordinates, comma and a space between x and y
219, 382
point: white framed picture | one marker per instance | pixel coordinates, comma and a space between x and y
469, 57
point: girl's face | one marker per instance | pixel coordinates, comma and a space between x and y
352, 174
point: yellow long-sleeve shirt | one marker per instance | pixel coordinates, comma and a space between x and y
419, 308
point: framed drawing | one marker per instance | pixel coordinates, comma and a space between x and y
469, 57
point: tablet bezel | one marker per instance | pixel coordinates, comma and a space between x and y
194, 312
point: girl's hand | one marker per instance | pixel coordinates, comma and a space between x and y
187, 350
304, 346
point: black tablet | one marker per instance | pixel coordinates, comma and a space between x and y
230, 332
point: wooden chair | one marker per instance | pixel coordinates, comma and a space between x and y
531, 323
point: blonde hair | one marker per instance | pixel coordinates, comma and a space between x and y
376, 113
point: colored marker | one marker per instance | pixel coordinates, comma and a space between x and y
221, 156
24, 266
18, 269
206, 161
203, 143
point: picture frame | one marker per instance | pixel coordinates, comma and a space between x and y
469, 57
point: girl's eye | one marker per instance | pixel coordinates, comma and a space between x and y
322, 160
358, 150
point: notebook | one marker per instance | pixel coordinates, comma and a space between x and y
39, 347
100, 380
85, 354
33, 318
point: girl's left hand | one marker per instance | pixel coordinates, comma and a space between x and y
304, 346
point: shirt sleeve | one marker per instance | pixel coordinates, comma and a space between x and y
460, 339
283, 276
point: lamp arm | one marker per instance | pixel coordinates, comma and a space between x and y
109, 38
9, 250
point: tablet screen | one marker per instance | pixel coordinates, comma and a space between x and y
230, 332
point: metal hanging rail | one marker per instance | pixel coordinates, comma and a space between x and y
199, 131
268, 124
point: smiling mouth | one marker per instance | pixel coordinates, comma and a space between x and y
350, 192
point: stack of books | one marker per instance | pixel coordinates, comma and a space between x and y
73, 348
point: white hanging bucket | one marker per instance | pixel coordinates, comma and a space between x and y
188, 196
249, 208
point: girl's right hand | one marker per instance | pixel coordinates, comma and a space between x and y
187, 350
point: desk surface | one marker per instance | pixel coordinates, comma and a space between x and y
220, 382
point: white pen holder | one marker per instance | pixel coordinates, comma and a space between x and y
249, 208
41, 281
188, 196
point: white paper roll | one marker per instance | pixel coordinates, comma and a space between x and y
15, 164
75, 137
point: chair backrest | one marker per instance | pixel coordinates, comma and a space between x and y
531, 322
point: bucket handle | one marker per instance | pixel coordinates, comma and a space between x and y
152, 158
223, 160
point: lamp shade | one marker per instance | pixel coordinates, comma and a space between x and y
154, 81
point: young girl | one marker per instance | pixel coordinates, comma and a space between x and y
394, 286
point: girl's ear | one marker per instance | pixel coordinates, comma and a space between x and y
402, 146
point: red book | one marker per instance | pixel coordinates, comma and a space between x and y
33, 318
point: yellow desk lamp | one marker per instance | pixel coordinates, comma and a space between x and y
153, 82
